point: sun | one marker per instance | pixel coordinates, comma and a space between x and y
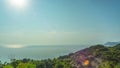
18, 4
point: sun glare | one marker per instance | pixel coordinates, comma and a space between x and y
18, 4
14, 46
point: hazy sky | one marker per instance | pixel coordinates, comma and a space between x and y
59, 22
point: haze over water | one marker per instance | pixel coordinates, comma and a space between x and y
37, 52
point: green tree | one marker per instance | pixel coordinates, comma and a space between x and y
106, 64
59, 65
41, 65
8, 66
118, 65
26, 65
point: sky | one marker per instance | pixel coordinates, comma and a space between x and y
59, 22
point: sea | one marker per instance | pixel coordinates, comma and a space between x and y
38, 52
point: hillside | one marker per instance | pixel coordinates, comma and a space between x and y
111, 43
97, 56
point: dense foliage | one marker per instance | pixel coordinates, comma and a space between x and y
109, 57
48, 63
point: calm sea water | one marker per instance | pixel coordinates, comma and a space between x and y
37, 52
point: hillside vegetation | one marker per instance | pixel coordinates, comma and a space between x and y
97, 56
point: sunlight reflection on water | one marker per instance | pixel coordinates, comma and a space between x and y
37, 52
